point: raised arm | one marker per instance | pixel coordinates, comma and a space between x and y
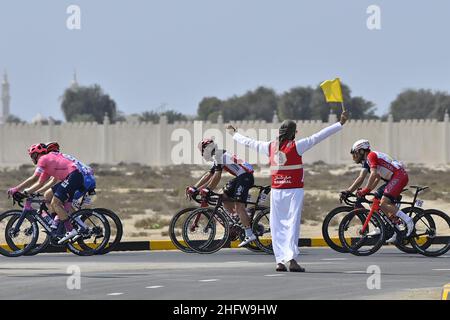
259, 146
307, 143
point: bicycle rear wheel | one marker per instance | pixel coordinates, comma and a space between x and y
350, 233
261, 228
405, 244
22, 240
91, 225
330, 228
206, 231
116, 229
431, 240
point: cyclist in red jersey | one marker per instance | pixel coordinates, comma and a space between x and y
235, 189
382, 166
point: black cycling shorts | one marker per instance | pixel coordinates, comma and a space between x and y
238, 187
66, 189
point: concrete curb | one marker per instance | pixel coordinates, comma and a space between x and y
446, 292
168, 245
152, 245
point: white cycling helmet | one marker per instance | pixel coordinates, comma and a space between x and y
360, 144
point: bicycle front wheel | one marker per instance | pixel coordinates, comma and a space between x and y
176, 229
206, 231
330, 227
17, 236
357, 242
42, 242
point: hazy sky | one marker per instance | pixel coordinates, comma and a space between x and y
148, 52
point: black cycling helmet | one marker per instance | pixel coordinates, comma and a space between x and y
52, 146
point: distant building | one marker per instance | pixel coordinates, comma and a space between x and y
6, 99
74, 85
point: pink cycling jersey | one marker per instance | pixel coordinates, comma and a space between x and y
385, 165
54, 165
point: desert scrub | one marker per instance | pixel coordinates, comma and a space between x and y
316, 207
151, 223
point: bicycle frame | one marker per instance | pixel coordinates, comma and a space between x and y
28, 210
218, 205
375, 207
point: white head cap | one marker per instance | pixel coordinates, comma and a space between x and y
360, 144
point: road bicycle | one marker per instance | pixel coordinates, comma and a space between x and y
208, 229
363, 232
330, 225
19, 229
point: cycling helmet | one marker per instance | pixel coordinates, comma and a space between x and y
52, 146
205, 143
38, 148
35, 150
361, 144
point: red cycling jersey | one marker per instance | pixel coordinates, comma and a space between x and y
385, 165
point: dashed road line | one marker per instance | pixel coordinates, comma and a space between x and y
273, 275
208, 280
115, 294
154, 287
441, 269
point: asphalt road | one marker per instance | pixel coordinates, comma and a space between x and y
228, 274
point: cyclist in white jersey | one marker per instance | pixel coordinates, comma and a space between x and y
235, 192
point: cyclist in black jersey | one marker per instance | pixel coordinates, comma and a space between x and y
235, 192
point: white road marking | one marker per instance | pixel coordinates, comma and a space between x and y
313, 263
208, 280
154, 287
441, 269
115, 294
273, 275
355, 271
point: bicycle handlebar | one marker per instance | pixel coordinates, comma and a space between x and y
349, 202
19, 197
212, 197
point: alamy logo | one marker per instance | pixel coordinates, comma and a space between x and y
74, 280
374, 280
73, 22
374, 20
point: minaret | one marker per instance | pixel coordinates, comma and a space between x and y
74, 85
6, 98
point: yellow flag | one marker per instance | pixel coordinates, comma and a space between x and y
332, 90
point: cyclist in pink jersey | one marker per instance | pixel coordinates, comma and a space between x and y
382, 166
235, 190
63, 170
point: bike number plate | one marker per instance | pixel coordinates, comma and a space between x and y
419, 203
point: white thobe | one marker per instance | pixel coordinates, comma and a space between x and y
286, 204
